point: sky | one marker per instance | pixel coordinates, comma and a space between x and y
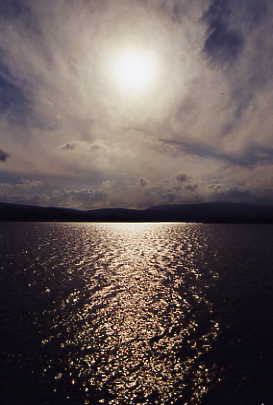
136, 103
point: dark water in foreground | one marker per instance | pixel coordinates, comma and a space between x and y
136, 314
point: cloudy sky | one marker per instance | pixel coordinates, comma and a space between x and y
136, 103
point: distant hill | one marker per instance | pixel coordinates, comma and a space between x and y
213, 212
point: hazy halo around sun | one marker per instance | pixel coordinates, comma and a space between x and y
134, 70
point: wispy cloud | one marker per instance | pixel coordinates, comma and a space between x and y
3, 155
68, 146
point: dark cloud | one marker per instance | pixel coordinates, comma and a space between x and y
143, 182
223, 45
228, 22
251, 157
182, 178
215, 187
68, 146
257, 10
199, 149
191, 187
7, 177
3, 155
12, 97
11, 9
240, 29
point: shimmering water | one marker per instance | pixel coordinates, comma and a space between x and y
136, 313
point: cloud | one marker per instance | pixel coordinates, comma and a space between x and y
208, 120
223, 43
68, 146
84, 198
191, 187
252, 156
3, 155
215, 187
143, 182
182, 178
234, 194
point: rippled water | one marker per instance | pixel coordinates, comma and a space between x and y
134, 313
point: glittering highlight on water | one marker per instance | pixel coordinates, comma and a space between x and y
124, 316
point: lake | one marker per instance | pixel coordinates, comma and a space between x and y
147, 313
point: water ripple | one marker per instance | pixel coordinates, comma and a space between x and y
134, 337
119, 314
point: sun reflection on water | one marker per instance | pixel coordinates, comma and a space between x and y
144, 323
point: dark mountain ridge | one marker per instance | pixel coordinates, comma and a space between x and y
213, 212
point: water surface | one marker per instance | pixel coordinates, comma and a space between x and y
136, 313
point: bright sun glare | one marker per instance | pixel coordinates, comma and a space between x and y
134, 71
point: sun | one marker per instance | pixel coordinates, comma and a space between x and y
134, 70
